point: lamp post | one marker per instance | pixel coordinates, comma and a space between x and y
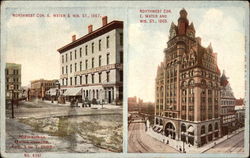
58, 91
183, 140
12, 101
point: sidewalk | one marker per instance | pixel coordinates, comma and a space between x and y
93, 106
179, 144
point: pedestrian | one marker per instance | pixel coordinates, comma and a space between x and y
180, 149
76, 102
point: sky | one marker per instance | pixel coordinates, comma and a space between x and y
217, 24
33, 42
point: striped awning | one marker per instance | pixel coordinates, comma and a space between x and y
73, 92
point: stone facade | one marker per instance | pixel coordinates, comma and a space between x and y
227, 107
95, 63
187, 87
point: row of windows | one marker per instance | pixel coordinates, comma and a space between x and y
92, 48
86, 64
48, 84
190, 108
227, 102
65, 81
209, 75
171, 115
15, 72
190, 90
210, 128
86, 50
15, 87
81, 78
13, 79
190, 99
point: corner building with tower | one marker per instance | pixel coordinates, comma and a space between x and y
187, 88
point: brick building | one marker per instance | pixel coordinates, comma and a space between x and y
187, 88
39, 87
12, 81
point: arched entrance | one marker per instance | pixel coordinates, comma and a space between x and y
183, 132
170, 130
190, 132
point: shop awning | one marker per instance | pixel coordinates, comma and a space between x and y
51, 92
191, 129
73, 92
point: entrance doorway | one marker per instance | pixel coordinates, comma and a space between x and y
109, 96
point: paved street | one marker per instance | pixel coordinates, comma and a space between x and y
140, 142
234, 144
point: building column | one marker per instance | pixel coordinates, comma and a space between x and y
206, 104
212, 104
197, 96
116, 93
186, 103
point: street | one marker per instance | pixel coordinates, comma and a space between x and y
42, 110
140, 142
234, 144
64, 128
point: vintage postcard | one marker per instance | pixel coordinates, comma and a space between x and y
63, 72
124, 79
187, 79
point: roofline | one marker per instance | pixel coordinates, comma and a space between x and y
100, 31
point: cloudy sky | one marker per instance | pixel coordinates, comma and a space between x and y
216, 24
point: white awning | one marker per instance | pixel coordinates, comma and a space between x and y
51, 92
73, 92
191, 129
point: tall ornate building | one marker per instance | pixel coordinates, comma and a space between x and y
187, 87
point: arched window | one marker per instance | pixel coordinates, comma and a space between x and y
191, 73
191, 82
156, 121
161, 122
216, 126
183, 127
211, 84
190, 130
184, 83
210, 128
203, 82
203, 129
184, 92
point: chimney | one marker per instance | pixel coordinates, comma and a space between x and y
90, 28
73, 38
104, 20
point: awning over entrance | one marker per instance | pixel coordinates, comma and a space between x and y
191, 129
51, 92
73, 92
